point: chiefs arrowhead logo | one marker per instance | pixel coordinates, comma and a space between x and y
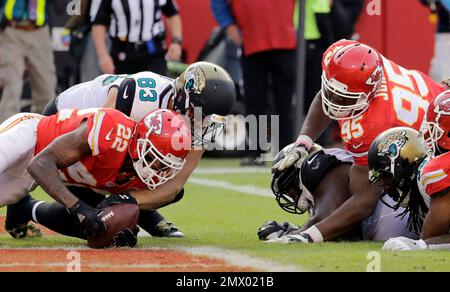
154, 123
443, 108
375, 78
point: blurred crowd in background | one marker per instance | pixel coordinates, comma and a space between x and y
44, 50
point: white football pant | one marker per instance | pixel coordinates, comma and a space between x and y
385, 223
18, 137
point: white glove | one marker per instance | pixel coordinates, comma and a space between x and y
289, 238
273, 230
295, 153
403, 243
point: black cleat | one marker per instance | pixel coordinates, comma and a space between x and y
24, 231
17, 217
165, 228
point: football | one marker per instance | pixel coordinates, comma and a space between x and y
117, 218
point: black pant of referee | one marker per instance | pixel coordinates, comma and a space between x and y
131, 58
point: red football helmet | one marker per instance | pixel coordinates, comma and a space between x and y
159, 145
436, 130
352, 72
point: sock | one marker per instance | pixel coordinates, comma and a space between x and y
55, 217
148, 219
19, 213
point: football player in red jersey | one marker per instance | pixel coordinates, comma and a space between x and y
432, 184
367, 94
202, 85
100, 149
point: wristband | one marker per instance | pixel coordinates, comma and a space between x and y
314, 233
305, 141
177, 40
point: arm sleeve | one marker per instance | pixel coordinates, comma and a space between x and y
360, 154
125, 96
361, 159
101, 11
170, 8
434, 177
222, 12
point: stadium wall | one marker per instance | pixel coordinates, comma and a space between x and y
401, 30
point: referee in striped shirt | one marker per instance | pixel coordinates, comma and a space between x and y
137, 32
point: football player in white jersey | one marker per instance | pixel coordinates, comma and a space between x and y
202, 86
139, 93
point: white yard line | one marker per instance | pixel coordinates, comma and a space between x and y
242, 260
245, 189
231, 257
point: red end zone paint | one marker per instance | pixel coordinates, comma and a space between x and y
109, 260
128, 260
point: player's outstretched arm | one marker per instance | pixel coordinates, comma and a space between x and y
165, 194
63, 152
358, 207
351, 213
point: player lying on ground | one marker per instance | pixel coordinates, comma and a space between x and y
367, 94
99, 149
398, 159
321, 186
202, 85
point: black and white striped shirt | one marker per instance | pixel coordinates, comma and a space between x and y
133, 20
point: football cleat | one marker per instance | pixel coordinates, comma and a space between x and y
165, 228
24, 231
18, 216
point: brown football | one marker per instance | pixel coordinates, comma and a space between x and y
117, 218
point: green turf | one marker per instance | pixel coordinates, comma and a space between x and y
261, 180
218, 217
219, 162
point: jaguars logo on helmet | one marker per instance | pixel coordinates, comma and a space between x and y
394, 157
206, 89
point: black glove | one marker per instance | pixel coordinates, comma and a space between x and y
126, 238
87, 219
125, 198
273, 229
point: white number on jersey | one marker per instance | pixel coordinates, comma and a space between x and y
407, 103
352, 129
122, 138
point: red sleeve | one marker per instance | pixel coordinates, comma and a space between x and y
435, 176
361, 155
101, 132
